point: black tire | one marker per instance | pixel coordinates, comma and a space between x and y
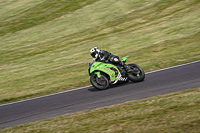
136, 77
101, 83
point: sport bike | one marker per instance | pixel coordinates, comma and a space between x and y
102, 74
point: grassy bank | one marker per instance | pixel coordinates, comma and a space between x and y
172, 113
45, 45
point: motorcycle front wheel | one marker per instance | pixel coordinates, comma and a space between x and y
101, 83
137, 74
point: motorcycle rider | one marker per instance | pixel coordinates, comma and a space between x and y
105, 56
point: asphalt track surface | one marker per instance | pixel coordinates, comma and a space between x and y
170, 80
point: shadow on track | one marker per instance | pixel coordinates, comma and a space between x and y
93, 89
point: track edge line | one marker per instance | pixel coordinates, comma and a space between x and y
91, 85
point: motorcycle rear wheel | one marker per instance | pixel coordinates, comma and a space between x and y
101, 83
138, 75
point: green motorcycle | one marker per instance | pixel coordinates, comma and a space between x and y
102, 75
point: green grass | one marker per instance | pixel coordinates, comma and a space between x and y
45, 44
172, 113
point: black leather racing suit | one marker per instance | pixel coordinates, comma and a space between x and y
105, 56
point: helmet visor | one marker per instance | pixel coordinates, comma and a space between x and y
93, 54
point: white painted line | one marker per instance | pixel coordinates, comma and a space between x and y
45, 96
91, 85
173, 67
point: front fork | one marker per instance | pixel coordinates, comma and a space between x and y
98, 74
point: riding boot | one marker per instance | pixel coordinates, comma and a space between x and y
121, 70
128, 70
125, 67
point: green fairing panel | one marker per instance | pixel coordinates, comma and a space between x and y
103, 67
124, 58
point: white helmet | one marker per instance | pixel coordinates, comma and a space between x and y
94, 52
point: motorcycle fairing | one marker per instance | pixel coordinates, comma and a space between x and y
109, 69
